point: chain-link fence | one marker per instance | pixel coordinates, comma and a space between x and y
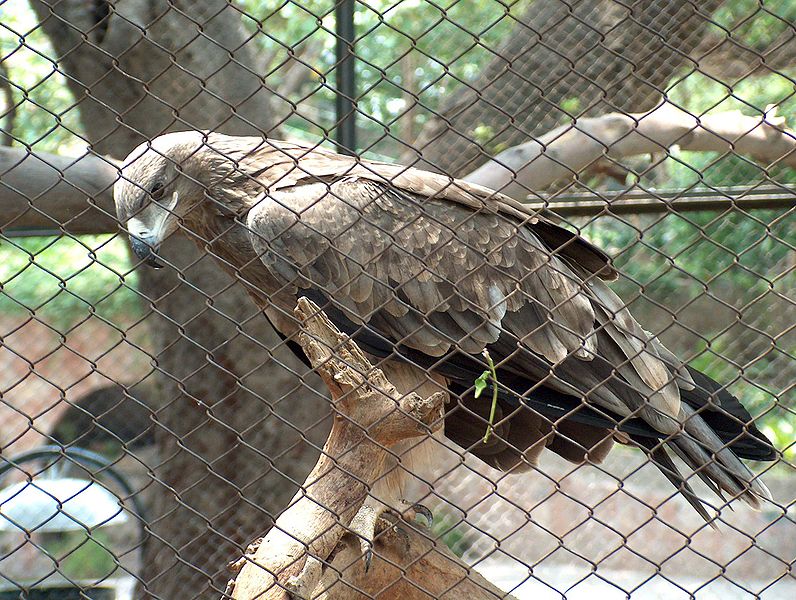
157, 421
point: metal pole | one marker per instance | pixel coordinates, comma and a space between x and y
345, 78
662, 201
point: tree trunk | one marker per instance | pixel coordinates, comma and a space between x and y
563, 60
148, 67
229, 428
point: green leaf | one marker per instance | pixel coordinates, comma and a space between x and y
480, 383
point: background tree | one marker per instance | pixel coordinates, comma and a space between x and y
230, 435
561, 62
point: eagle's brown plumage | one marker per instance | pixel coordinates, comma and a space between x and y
430, 271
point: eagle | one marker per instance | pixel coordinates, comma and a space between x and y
426, 273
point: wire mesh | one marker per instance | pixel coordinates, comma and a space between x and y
652, 128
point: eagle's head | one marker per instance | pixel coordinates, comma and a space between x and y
164, 181
161, 182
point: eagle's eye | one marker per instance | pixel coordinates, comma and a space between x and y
157, 190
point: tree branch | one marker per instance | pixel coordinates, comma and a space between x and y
74, 194
370, 417
407, 567
566, 151
47, 191
605, 55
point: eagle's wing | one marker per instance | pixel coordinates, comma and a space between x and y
437, 266
279, 165
435, 274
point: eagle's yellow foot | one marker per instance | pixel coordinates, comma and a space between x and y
363, 525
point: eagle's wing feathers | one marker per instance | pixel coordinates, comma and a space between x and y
280, 165
435, 274
433, 266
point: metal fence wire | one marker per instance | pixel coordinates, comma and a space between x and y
155, 422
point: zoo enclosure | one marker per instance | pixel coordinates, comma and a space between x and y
699, 218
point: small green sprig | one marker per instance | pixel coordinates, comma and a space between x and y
480, 386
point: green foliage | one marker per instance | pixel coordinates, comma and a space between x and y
572, 106
755, 24
455, 533
48, 118
679, 253
62, 280
436, 39
80, 557
480, 385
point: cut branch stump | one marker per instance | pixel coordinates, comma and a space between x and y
370, 416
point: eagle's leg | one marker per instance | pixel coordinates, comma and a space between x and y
371, 520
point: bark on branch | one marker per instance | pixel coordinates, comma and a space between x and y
407, 566
370, 416
565, 151
49, 191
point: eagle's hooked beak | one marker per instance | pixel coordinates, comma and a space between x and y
150, 228
145, 248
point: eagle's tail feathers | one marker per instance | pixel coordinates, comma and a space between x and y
709, 458
661, 459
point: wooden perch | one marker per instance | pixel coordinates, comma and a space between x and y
565, 151
407, 566
370, 415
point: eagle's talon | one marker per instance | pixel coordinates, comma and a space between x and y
367, 553
413, 510
365, 524
424, 512
387, 523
